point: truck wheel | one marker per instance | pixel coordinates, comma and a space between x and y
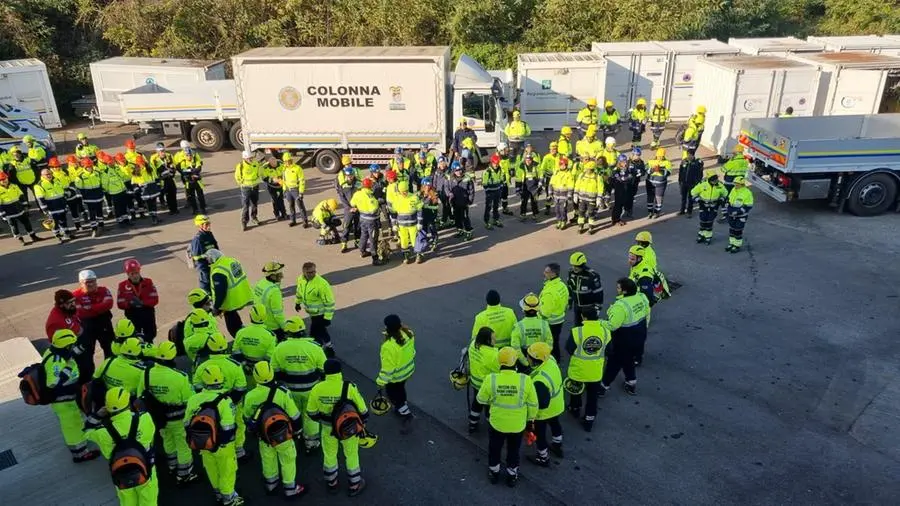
872, 195
328, 162
208, 136
236, 136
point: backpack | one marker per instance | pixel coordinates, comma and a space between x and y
176, 335
660, 287
33, 385
92, 396
151, 404
346, 422
679, 134
203, 431
130, 464
273, 423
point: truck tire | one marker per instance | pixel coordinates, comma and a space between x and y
208, 136
236, 136
872, 194
328, 162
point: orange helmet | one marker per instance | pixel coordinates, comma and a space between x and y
105, 158
139, 160
72, 160
86, 162
391, 176
129, 144
3, 176
53, 162
120, 158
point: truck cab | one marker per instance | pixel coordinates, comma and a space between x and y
478, 97
11, 134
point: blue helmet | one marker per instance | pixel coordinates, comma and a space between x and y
622, 158
426, 181
442, 158
455, 166
348, 170
374, 167
398, 150
636, 151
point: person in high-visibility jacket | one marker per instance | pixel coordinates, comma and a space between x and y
740, 202
642, 273
627, 320
691, 140
267, 293
314, 295
231, 291
409, 220
709, 195
554, 299
220, 465
216, 355
51, 199
322, 399
658, 171
190, 165
198, 326
564, 143
698, 121
63, 384
517, 131
24, 172
247, 176
644, 239
73, 196
115, 186
493, 179
254, 342
588, 195
90, 186
736, 166
513, 406
548, 167
589, 145
532, 328
548, 387
299, 362
398, 363
609, 119
84, 149
482, 356
170, 390
638, 120
146, 182
500, 319
326, 220
294, 187
562, 189
271, 174
121, 420
125, 369
367, 207
279, 459
13, 212
588, 115
658, 118
587, 346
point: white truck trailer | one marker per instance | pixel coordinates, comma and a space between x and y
363, 100
851, 161
26, 84
553, 87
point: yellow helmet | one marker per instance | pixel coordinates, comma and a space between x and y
216, 343
212, 375
117, 400
48, 223
566, 130
573, 387
644, 236
124, 328
402, 186
530, 302
131, 347
636, 250
258, 313
708, 173
272, 268
659, 102
517, 114
166, 350
286, 157
458, 379
739, 148
201, 219
294, 325
592, 102
539, 350
608, 103
346, 159
380, 404
661, 152
263, 373
701, 109
331, 204
63, 338
197, 296
507, 356
367, 439
198, 315
577, 258
741, 180
642, 101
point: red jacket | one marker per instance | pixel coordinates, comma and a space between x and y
94, 304
58, 320
143, 291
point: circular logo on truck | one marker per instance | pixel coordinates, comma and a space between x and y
289, 98
848, 102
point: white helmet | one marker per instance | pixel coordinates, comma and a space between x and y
213, 255
247, 155
86, 275
184, 144
502, 146
610, 140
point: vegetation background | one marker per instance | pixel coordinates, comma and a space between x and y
69, 34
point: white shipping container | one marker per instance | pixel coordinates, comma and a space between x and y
634, 70
683, 54
859, 43
208, 99
339, 97
734, 88
25, 83
553, 87
114, 76
852, 83
775, 46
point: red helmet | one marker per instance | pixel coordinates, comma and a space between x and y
3, 176
391, 176
129, 144
495, 159
53, 162
72, 160
86, 162
105, 158
139, 160
120, 158
563, 162
367, 183
132, 265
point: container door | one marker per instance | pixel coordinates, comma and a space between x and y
857, 92
754, 94
547, 98
649, 79
113, 83
584, 83
797, 88
890, 97
27, 89
618, 81
682, 85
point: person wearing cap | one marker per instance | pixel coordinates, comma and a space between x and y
710, 195
84, 149
298, 362
13, 212
267, 292
529, 182
254, 342
137, 298
585, 286
589, 115
516, 131
621, 178
492, 180
278, 460
658, 118
554, 298
587, 349
64, 379
63, 315
500, 319
113, 182
189, 164
94, 307
690, 173
562, 189
439, 181
322, 399
609, 119
513, 406
215, 354
51, 198
272, 173
231, 291
409, 221
294, 183
460, 189
202, 242
366, 207
627, 319
323, 217
314, 295
347, 184
145, 180
73, 197
548, 388
658, 171
482, 357
740, 202
531, 328
431, 204
162, 163
221, 465
247, 176
165, 391
398, 363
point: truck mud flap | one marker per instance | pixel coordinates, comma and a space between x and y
767, 187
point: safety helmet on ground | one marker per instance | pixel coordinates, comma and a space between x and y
201, 219
636, 250
48, 223
216, 343
286, 157
610, 141
129, 144
132, 265
246, 155
577, 259
458, 379
502, 146
131, 347
272, 267
367, 439
294, 325
403, 187
166, 350
213, 254
117, 400
573, 387
87, 275
644, 236
507, 356
592, 102
380, 404
63, 338
539, 350
258, 313
642, 101
263, 373
198, 315
659, 102
530, 302
53, 162
374, 167
28, 139
608, 104
212, 375
661, 152
566, 130
346, 159
124, 328
331, 204
426, 181
197, 296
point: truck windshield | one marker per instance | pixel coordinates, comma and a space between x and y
480, 107
9, 127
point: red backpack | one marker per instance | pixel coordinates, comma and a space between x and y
130, 464
346, 421
274, 424
205, 427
